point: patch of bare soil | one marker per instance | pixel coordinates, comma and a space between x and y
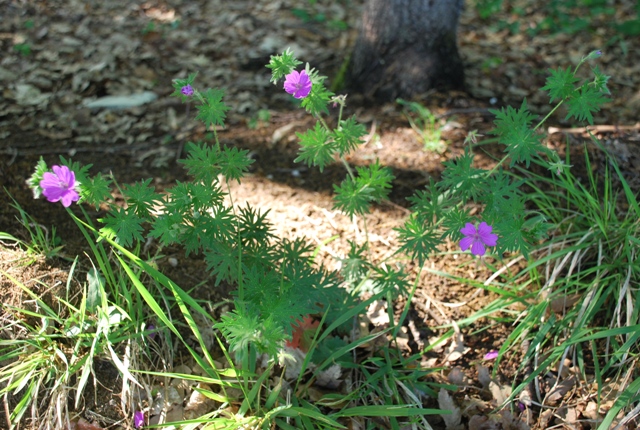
59, 55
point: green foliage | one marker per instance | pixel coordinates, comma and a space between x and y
559, 16
318, 99
560, 84
460, 179
212, 111
124, 225
355, 194
347, 136
141, 198
277, 283
282, 65
316, 150
310, 14
23, 48
425, 124
584, 103
514, 131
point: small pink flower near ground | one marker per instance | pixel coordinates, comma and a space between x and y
187, 90
478, 238
298, 84
138, 419
491, 355
60, 186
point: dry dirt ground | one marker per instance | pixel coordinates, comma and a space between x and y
58, 55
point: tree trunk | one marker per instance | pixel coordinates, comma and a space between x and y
405, 48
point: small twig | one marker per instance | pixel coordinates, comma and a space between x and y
596, 128
463, 111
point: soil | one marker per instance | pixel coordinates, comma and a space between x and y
80, 51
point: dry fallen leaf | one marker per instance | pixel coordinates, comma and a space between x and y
559, 390
499, 392
198, 404
457, 348
445, 402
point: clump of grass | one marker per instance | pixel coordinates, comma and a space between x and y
577, 297
426, 125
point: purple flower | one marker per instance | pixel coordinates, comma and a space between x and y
187, 90
138, 419
152, 330
477, 238
298, 84
60, 185
491, 355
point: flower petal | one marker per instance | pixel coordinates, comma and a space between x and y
53, 194
490, 239
49, 180
484, 228
291, 82
466, 242
491, 355
468, 229
59, 170
69, 197
477, 248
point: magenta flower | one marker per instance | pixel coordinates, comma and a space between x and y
298, 84
60, 186
187, 90
491, 355
477, 238
138, 419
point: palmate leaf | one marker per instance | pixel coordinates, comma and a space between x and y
429, 204
502, 195
282, 65
560, 84
167, 228
372, 184
375, 179
141, 198
124, 225
203, 162
254, 227
582, 104
347, 135
350, 198
600, 81
316, 148
96, 190
202, 197
511, 236
389, 280
508, 118
453, 220
513, 130
213, 110
234, 163
316, 102
417, 241
222, 262
460, 179
241, 329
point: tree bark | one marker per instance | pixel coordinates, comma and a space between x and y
405, 48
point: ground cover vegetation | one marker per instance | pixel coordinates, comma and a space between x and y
297, 344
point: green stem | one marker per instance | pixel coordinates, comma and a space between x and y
548, 115
240, 283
